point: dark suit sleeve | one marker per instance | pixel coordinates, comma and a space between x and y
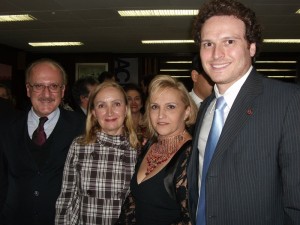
289, 161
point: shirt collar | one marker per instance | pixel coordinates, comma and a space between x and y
36, 118
233, 90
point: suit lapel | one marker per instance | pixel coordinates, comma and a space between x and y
242, 110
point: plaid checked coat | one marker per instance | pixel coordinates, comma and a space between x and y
95, 181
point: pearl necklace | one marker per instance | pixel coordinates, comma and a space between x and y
162, 150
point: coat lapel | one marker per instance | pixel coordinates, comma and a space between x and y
242, 110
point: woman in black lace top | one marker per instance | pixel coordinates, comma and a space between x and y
159, 186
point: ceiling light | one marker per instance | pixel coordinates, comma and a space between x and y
275, 61
174, 70
54, 44
275, 70
286, 77
282, 41
179, 62
164, 12
181, 76
14, 18
167, 41
298, 11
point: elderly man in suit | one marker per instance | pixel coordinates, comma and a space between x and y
249, 174
34, 155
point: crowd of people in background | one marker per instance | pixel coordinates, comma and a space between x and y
154, 153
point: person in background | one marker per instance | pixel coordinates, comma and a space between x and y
6, 103
146, 80
136, 103
202, 84
33, 154
100, 163
253, 176
159, 186
81, 91
106, 76
5, 92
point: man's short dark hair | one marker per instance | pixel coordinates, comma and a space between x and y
80, 88
196, 64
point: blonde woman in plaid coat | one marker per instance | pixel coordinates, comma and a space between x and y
100, 164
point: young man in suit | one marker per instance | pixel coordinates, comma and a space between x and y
32, 171
254, 173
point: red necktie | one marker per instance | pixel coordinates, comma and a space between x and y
39, 136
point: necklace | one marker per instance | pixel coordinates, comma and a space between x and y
162, 150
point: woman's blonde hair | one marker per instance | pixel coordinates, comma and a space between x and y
92, 125
161, 83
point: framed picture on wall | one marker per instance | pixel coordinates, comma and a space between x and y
90, 69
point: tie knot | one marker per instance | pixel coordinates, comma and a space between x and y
221, 103
43, 120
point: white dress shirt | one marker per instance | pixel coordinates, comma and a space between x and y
229, 96
33, 122
196, 98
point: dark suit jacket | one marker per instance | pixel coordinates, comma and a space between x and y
31, 191
254, 175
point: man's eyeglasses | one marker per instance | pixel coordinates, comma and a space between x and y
41, 87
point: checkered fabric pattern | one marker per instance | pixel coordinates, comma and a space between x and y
96, 181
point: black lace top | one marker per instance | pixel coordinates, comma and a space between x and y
163, 199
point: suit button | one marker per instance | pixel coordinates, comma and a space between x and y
121, 157
89, 192
36, 193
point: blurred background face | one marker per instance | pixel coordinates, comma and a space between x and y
85, 99
45, 101
3, 93
168, 112
134, 100
110, 110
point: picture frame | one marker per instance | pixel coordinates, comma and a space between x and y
90, 69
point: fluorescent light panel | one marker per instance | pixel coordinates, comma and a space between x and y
54, 44
179, 62
286, 77
167, 41
174, 70
279, 62
156, 12
275, 70
14, 18
181, 76
282, 41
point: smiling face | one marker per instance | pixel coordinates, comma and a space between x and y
134, 100
225, 53
168, 112
110, 110
45, 101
